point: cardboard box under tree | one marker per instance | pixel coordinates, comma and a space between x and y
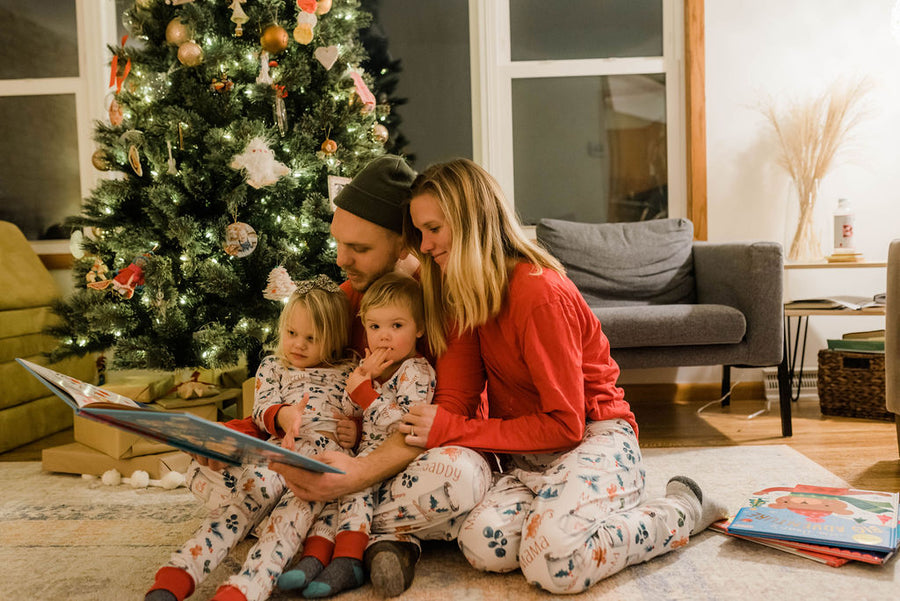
76, 458
119, 444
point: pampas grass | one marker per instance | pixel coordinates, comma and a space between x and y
811, 134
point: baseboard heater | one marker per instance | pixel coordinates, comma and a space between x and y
807, 383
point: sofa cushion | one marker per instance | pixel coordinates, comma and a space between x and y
625, 264
671, 325
23, 278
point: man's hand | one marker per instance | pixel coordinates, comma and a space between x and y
316, 486
391, 457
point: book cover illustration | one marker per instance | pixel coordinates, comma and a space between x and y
183, 431
840, 517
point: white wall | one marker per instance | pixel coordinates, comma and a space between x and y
790, 50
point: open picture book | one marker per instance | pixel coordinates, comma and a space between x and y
183, 431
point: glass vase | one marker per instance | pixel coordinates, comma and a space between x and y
806, 246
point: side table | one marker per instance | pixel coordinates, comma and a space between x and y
790, 366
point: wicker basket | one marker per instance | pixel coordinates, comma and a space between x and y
852, 385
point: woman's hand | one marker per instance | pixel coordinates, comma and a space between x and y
290, 420
417, 424
346, 431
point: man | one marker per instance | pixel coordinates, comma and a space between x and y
427, 494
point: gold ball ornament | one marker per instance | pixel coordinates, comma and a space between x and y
329, 146
381, 133
190, 54
323, 6
177, 33
100, 160
274, 39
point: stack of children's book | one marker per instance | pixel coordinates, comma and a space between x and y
825, 524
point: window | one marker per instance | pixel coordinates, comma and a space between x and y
579, 109
52, 66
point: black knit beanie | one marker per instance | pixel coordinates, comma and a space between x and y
379, 192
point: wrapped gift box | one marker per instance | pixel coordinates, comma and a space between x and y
141, 385
76, 458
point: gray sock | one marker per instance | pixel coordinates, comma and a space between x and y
706, 510
342, 574
392, 566
301, 575
160, 594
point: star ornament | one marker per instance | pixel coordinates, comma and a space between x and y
260, 165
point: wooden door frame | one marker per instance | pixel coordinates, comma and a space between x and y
695, 101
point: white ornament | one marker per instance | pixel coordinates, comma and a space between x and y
259, 162
327, 55
264, 77
279, 285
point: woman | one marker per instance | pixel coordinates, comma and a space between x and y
570, 509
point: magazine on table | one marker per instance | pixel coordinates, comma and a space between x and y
839, 517
836, 303
183, 431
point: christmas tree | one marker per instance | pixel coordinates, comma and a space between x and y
225, 134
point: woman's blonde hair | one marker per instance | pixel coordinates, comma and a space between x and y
329, 311
392, 289
487, 239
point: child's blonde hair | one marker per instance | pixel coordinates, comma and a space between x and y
395, 289
329, 311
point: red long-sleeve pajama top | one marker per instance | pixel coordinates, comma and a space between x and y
547, 366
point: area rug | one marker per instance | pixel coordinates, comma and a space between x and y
64, 538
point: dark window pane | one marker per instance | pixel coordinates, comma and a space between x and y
38, 38
431, 40
541, 30
39, 181
590, 148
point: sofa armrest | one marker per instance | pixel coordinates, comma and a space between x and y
749, 277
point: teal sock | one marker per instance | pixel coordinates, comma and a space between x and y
302, 574
342, 574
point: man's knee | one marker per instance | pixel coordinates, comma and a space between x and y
464, 477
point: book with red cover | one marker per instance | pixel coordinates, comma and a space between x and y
832, 556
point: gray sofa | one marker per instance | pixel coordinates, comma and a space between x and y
666, 300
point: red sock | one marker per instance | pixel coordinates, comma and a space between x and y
175, 580
349, 543
320, 548
226, 592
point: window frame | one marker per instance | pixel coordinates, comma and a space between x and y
493, 72
95, 28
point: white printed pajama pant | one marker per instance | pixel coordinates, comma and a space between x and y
572, 519
238, 498
431, 497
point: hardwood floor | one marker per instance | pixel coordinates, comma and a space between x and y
862, 452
